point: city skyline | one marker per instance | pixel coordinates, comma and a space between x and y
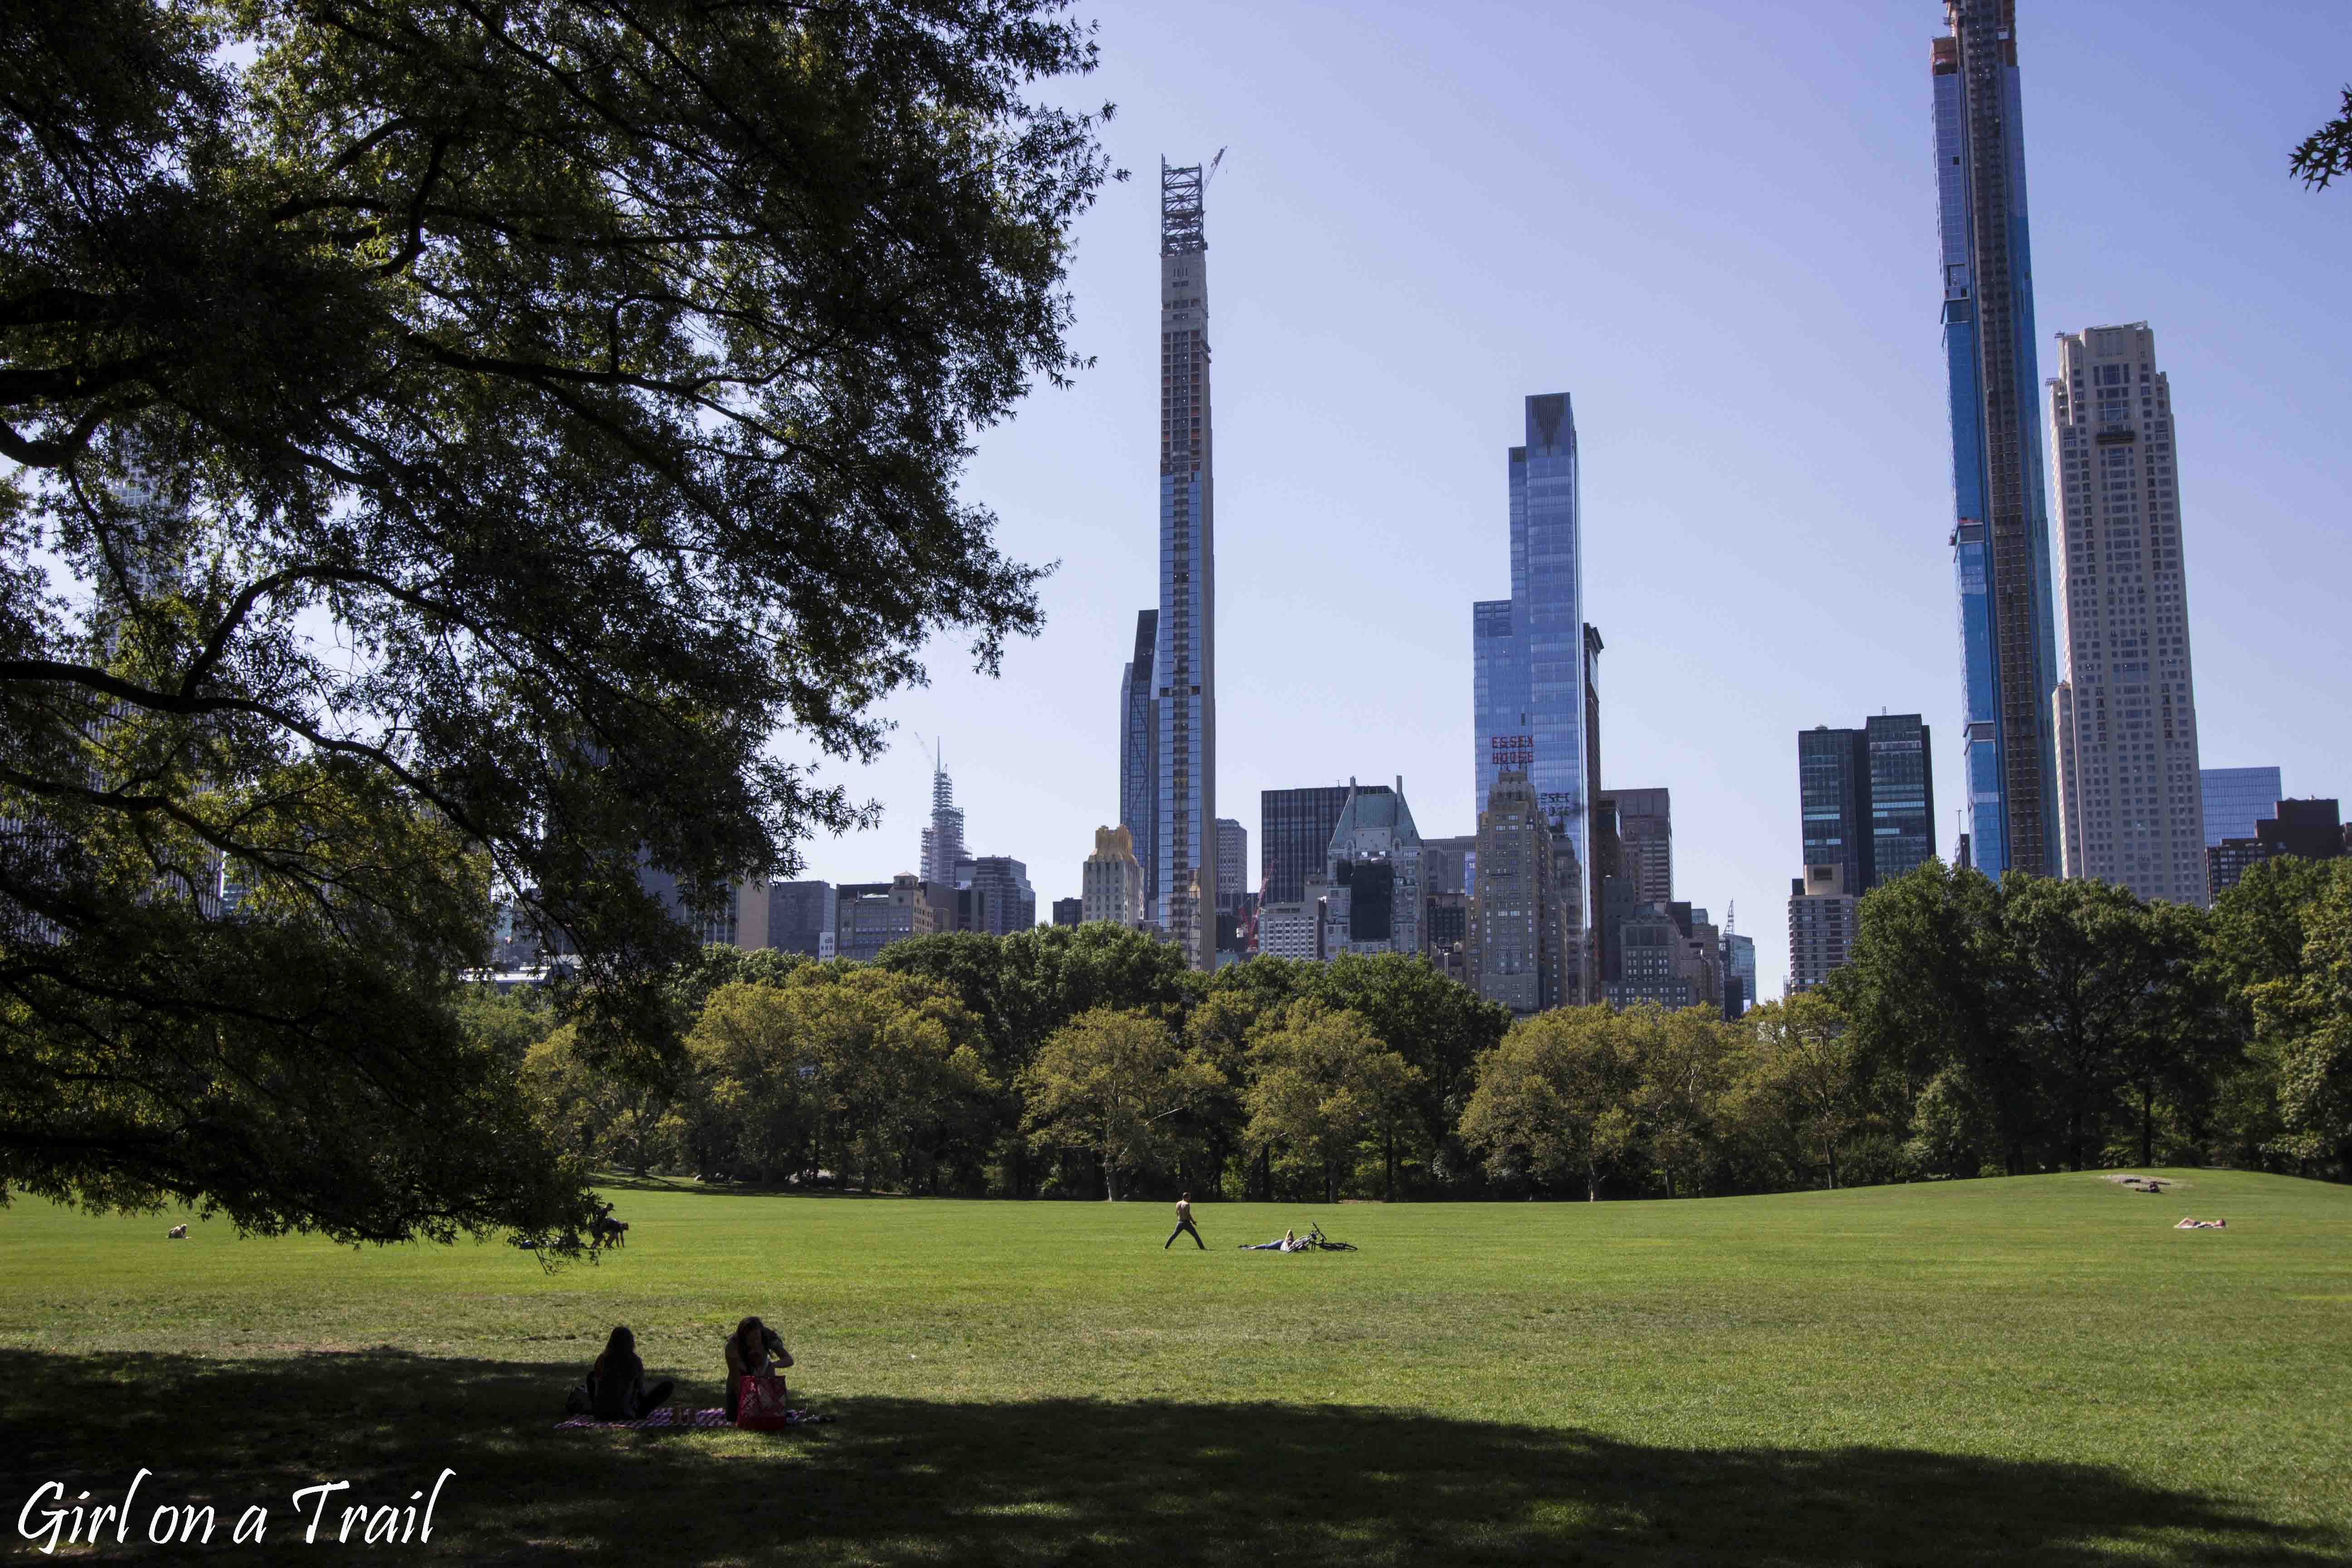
1799, 456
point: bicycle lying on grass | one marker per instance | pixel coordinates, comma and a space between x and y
1313, 1241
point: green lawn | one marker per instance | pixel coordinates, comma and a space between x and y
2030, 1370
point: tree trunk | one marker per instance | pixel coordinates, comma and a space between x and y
1832, 1153
1388, 1173
2146, 1127
1110, 1179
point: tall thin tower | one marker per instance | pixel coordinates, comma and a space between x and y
1184, 663
2000, 534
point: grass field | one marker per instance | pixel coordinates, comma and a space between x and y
2033, 1370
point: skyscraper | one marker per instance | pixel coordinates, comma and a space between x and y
2001, 534
2131, 802
1646, 843
1739, 967
1293, 831
997, 898
1138, 749
2237, 798
1111, 882
1867, 798
1833, 798
943, 839
1520, 941
1822, 924
801, 918
1528, 658
1902, 794
1184, 661
1372, 871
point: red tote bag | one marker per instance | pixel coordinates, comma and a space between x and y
762, 1404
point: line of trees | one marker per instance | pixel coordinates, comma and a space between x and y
1980, 1029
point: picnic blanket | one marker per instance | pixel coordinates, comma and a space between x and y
660, 1419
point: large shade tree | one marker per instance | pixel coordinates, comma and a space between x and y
450, 442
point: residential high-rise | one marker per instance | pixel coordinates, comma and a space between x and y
1449, 864
1233, 863
1294, 839
1902, 794
2000, 532
1521, 944
1529, 652
1069, 912
1138, 749
2237, 798
1373, 870
1111, 881
1184, 661
943, 848
997, 898
1821, 925
2131, 804
1833, 798
1646, 843
1867, 798
1529, 658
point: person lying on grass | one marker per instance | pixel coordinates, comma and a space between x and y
616, 1383
753, 1349
2191, 1223
1289, 1243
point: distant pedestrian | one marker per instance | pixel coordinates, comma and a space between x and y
1184, 1226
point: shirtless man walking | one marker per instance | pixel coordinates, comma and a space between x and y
1183, 1225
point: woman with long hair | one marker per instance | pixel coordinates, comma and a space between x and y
753, 1349
616, 1383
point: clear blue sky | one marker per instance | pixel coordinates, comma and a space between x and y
1714, 226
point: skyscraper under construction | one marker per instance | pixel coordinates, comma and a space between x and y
1184, 661
2000, 532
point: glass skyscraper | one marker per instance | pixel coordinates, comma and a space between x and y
1529, 660
1528, 651
1868, 799
2001, 534
2237, 798
1184, 661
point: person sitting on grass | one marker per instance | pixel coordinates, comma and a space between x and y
1289, 1243
616, 1383
753, 1349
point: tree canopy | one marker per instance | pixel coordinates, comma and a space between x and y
451, 444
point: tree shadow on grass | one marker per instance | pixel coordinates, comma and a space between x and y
902, 1481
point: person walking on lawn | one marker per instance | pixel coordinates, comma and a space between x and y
1184, 1223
